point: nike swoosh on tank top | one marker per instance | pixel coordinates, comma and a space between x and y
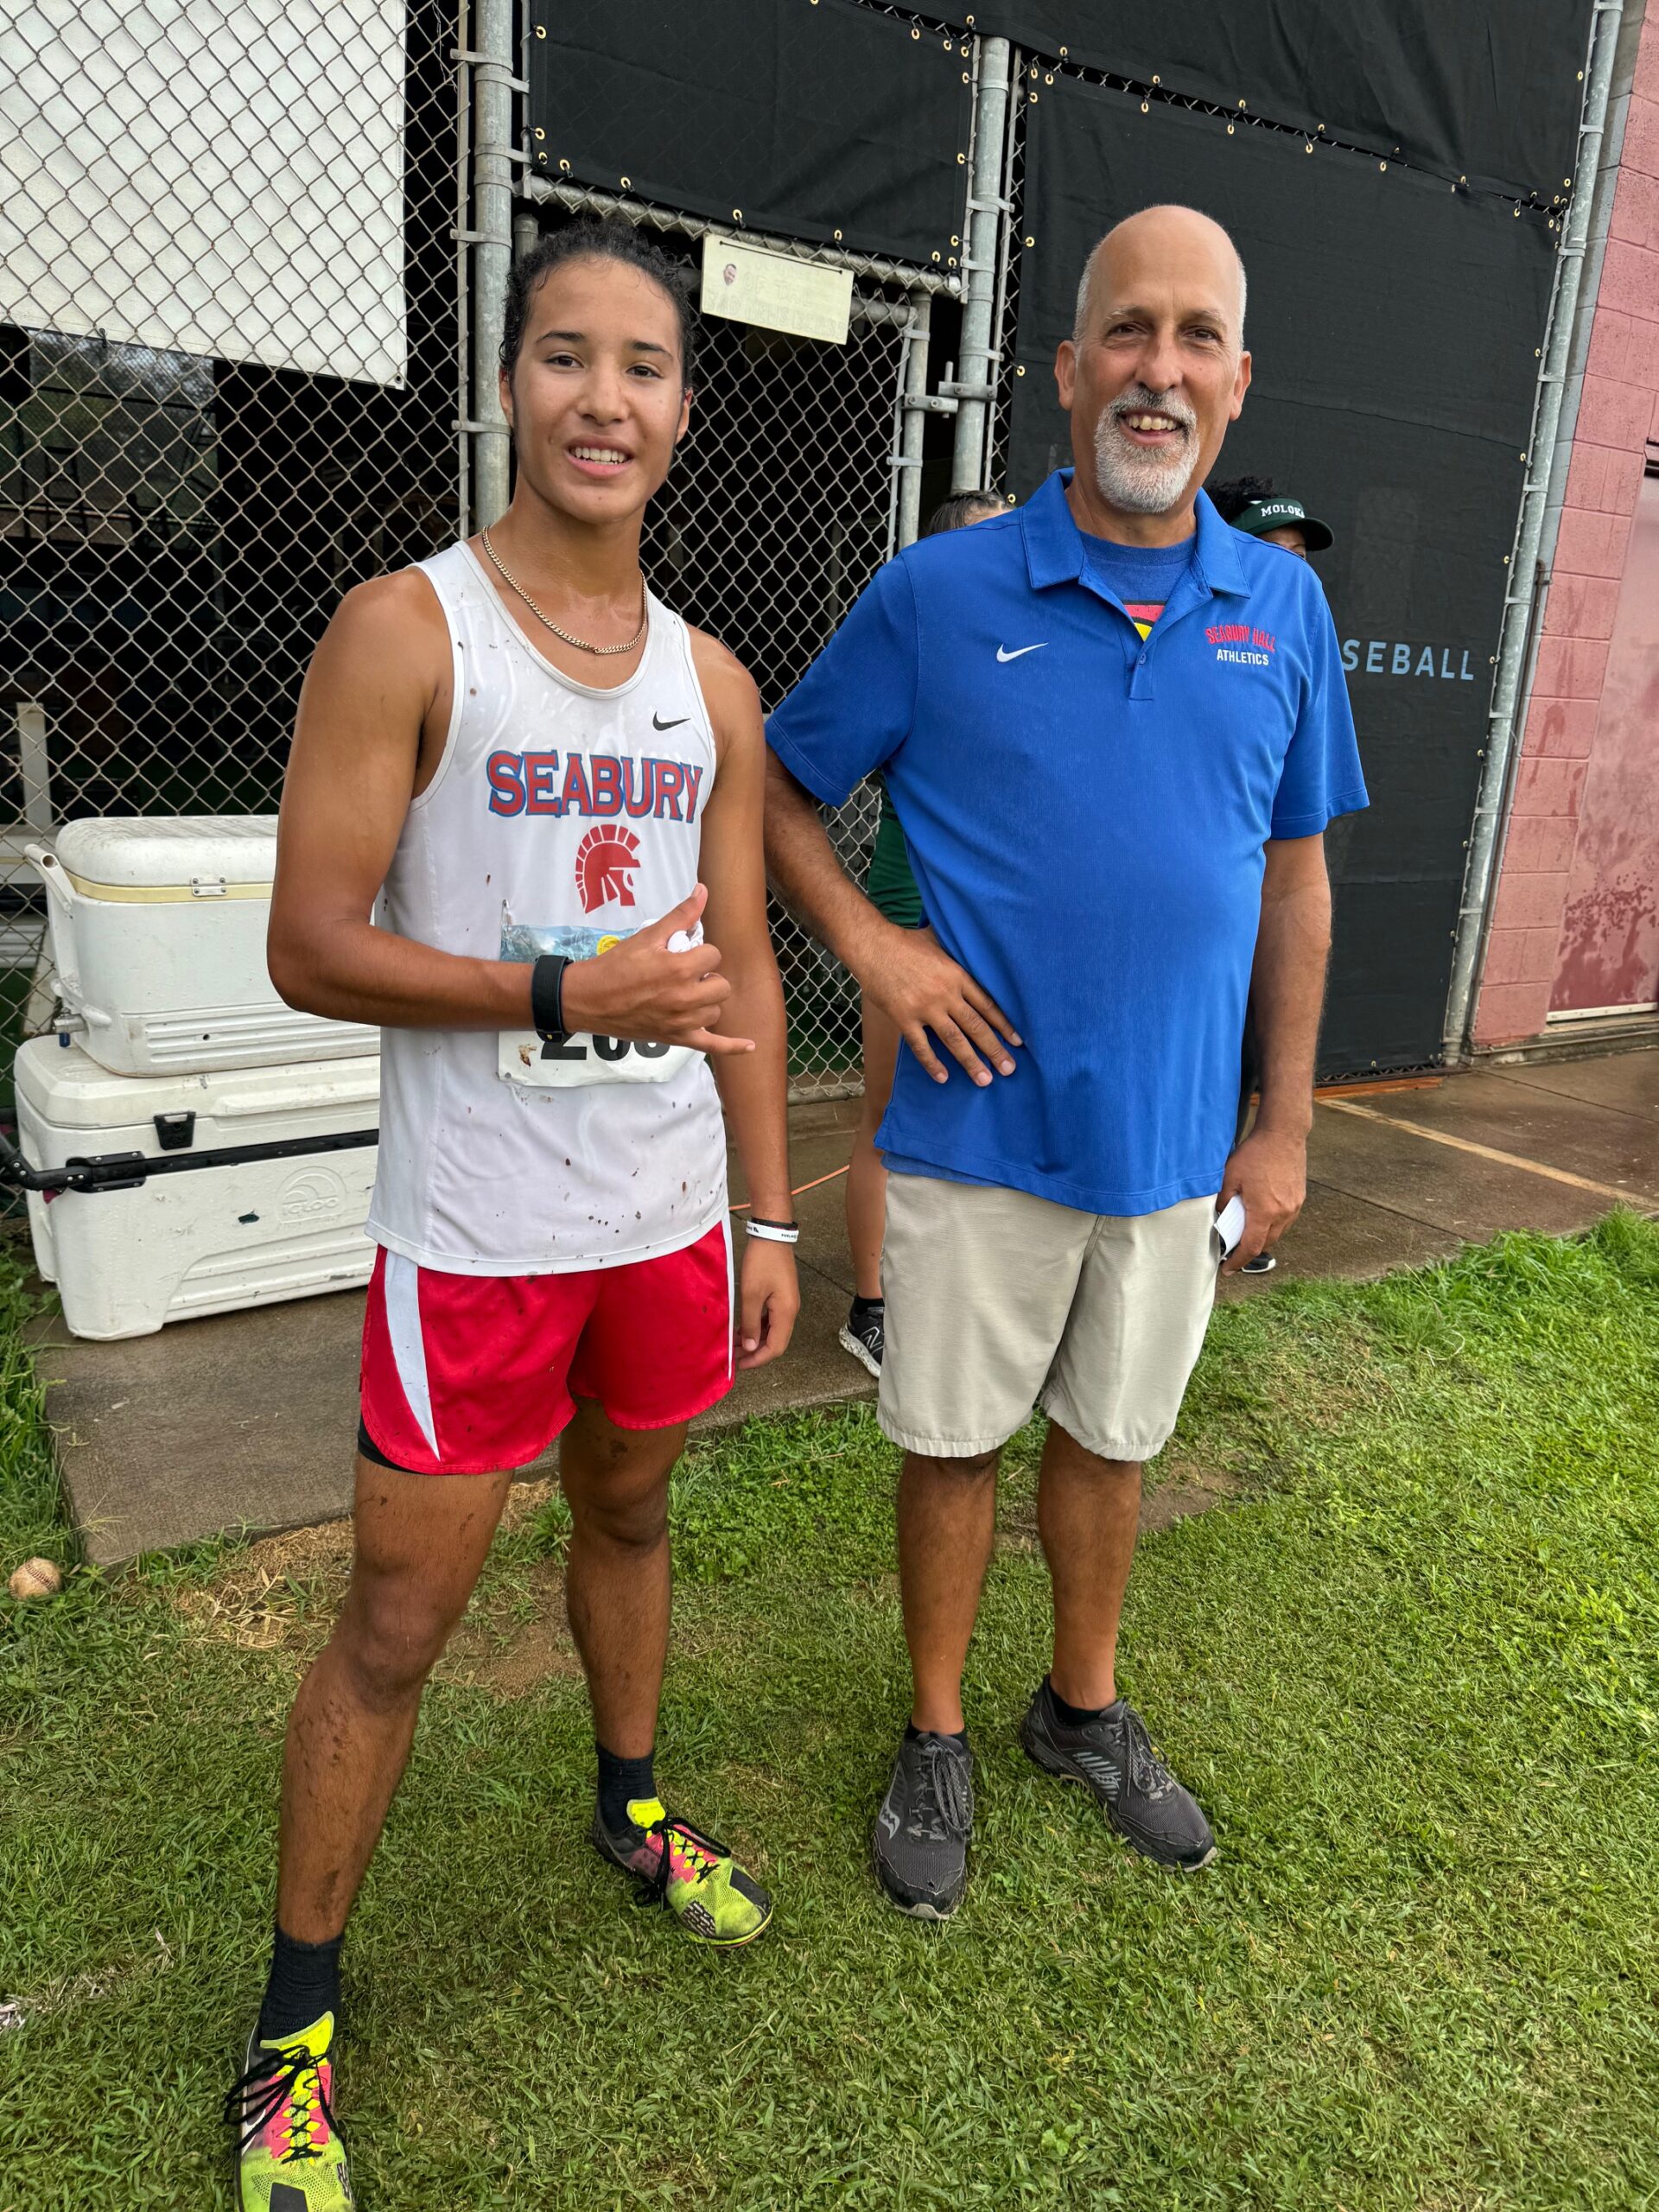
562, 818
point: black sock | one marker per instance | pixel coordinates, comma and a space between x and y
915, 1735
304, 1984
622, 1781
863, 1307
1075, 1716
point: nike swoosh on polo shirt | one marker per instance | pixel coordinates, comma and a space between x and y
1002, 652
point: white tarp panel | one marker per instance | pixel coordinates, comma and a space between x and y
220, 177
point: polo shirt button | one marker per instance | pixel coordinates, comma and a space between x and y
1141, 662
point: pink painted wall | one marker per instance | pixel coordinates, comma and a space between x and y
1609, 953
1617, 415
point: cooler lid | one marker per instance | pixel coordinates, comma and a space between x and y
146, 856
66, 1087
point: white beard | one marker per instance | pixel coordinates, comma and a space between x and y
1138, 482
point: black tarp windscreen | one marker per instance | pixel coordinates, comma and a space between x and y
1489, 90
1393, 323
817, 118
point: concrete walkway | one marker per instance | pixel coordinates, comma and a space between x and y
247, 1422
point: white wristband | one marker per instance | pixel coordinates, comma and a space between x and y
772, 1232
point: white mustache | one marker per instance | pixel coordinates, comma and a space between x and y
1139, 401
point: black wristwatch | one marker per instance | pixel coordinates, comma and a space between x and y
547, 996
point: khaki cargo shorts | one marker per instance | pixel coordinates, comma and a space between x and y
997, 1299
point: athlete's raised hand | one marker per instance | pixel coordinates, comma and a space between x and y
643, 990
915, 982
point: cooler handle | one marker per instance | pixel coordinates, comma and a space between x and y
60, 895
228, 1111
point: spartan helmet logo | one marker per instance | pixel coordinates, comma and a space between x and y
605, 863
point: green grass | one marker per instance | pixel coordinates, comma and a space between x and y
1410, 1669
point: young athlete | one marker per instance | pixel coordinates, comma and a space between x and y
890, 888
545, 786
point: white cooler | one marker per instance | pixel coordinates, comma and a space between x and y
158, 936
210, 1239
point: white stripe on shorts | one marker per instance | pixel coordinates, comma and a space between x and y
731, 1300
401, 1284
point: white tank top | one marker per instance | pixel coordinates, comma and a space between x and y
562, 819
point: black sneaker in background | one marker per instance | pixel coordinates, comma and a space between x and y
1112, 1756
920, 1844
863, 1333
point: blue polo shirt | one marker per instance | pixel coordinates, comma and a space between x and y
1086, 812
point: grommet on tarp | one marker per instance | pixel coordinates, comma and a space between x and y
540, 133
541, 31
1146, 107
626, 183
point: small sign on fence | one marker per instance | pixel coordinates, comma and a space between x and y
748, 284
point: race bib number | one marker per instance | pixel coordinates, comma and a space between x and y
522, 1057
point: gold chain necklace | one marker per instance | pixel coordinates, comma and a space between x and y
604, 652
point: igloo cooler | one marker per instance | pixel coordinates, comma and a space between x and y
158, 936
165, 1238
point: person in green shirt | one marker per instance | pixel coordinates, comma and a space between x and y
891, 888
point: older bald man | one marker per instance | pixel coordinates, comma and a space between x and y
1116, 730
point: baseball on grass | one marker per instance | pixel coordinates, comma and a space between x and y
36, 1578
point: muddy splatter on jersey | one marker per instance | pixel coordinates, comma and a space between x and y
562, 817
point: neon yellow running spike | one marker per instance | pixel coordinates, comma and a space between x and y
289, 2154
714, 1899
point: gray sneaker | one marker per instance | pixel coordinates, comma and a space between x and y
920, 1844
1112, 1758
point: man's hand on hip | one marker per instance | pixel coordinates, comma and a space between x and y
1268, 1174
921, 987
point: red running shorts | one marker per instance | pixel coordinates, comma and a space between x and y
469, 1374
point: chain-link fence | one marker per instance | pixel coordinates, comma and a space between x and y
239, 331
228, 352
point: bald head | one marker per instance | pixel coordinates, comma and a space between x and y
1176, 237
1154, 373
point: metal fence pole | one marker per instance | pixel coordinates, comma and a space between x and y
913, 420
978, 360
1480, 871
494, 85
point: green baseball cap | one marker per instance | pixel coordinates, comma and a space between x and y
1263, 515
